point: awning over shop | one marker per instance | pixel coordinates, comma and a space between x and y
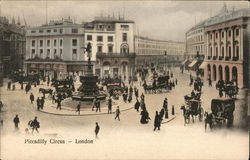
203, 65
193, 63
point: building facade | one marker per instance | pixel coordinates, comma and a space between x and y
112, 42
12, 45
158, 53
55, 49
227, 47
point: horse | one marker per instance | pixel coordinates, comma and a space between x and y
209, 120
186, 114
46, 91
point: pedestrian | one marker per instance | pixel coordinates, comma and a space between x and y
59, 104
16, 122
78, 108
173, 110
13, 87
94, 103
32, 98
110, 105
97, 129
53, 98
176, 81
98, 105
38, 103
137, 105
21, 85
157, 122
117, 113
166, 114
1, 106
35, 125
9, 86
42, 102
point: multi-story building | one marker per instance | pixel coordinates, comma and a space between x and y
12, 45
151, 52
112, 42
55, 49
227, 47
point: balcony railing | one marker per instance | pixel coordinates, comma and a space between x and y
227, 58
208, 57
221, 58
214, 57
235, 58
115, 55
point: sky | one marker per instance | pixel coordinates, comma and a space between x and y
164, 20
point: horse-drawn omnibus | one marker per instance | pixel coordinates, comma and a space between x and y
222, 113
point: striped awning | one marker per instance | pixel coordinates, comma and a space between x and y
193, 63
203, 65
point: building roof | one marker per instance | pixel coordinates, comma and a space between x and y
111, 20
228, 16
146, 38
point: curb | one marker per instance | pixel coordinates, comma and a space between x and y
94, 114
169, 120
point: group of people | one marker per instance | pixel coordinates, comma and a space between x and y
32, 124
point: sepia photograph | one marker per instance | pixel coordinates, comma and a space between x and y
108, 79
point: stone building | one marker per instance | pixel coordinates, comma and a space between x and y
12, 45
227, 47
112, 42
158, 53
55, 49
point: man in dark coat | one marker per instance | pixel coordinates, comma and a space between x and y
97, 129
78, 107
38, 103
117, 113
32, 98
137, 105
98, 105
110, 105
16, 122
157, 122
42, 102
35, 125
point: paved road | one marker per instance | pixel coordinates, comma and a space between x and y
125, 138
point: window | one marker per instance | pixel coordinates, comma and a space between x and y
222, 52
33, 51
74, 42
110, 38
89, 37
33, 43
61, 30
33, 31
54, 51
110, 49
124, 37
48, 30
74, 30
222, 34
48, 53
55, 30
41, 43
60, 53
74, 54
48, 43
125, 26
229, 33
229, 52
99, 48
61, 42
211, 36
40, 31
237, 51
41, 53
216, 35
54, 42
99, 38
237, 32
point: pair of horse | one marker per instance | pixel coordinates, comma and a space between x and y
191, 112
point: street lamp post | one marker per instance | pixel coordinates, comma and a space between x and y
165, 57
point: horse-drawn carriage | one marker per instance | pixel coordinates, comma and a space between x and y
30, 78
230, 89
191, 109
222, 113
115, 88
159, 85
64, 87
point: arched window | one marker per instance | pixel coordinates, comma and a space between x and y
124, 48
